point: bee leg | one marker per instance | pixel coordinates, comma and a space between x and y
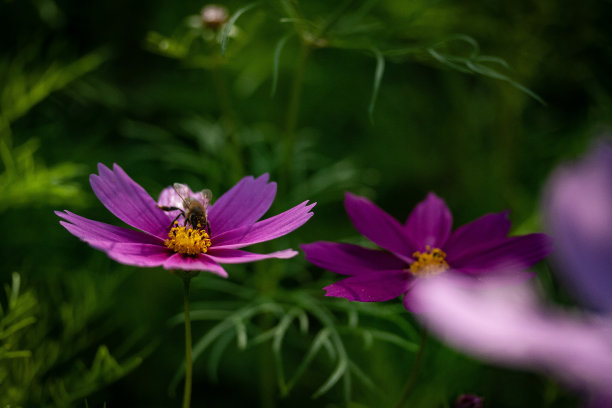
208, 228
166, 208
176, 218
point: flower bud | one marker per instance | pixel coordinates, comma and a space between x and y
214, 16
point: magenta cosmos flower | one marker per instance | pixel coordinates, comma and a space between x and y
233, 220
421, 247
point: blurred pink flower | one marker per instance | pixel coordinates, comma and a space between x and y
578, 210
233, 222
506, 324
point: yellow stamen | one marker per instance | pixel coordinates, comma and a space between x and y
428, 263
190, 241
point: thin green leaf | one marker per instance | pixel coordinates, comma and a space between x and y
333, 378
365, 379
444, 60
317, 343
279, 334
277, 52
230, 23
216, 352
483, 70
353, 318
303, 318
241, 334
378, 74
394, 339
495, 60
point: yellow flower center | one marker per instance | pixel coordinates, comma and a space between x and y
429, 263
189, 241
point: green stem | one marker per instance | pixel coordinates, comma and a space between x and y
188, 362
416, 367
228, 119
292, 113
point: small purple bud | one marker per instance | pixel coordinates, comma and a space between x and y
214, 16
468, 401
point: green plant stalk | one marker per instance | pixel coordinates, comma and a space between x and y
416, 367
292, 115
188, 360
229, 118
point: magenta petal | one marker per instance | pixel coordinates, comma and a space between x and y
128, 201
264, 230
480, 232
429, 223
143, 255
94, 231
371, 287
378, 226
519, 252
201, 262
243, 204
348, 259
234, 256
408, 299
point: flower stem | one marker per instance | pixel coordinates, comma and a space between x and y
414, 372
292, 114
188, 362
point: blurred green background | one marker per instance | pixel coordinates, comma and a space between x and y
477, 101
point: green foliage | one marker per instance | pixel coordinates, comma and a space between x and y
43, 354
24, 180
255, 322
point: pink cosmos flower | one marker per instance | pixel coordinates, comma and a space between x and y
421, 247
233, 220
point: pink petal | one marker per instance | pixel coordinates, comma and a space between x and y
506, 324
143, 255
518, 252
578, 209
478, 233
243, 204
128, 201
348, 259
90, 231
169, 198
264, 230
201, 262
429, 223
378, 226
371, 287
235, 256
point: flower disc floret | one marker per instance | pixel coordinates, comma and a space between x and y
429, 263
188, 241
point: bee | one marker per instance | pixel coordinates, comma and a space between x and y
195, 209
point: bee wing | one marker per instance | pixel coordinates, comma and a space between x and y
205, 197
183, 191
